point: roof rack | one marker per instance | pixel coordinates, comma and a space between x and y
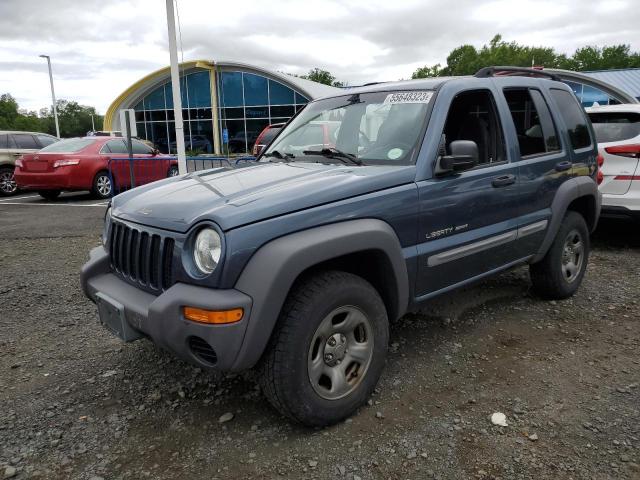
515, 71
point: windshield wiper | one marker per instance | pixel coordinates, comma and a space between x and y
335, 153
287, 157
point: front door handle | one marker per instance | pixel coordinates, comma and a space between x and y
562, 166
504, 180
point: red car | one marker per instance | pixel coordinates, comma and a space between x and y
265, 137
98, 164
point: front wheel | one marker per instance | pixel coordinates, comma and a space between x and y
559, 274
328, 349
8, 185
102, 185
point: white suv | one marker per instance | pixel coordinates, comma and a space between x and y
617, 129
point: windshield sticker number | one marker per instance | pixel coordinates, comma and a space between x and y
408, 97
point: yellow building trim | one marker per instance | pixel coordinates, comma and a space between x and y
213, 79
148, 79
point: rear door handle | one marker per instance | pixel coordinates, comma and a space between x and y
504, 180
562, 166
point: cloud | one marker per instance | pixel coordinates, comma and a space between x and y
99, 48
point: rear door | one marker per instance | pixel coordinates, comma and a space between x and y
618, 137
543, 162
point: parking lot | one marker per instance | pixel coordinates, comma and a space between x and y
78, 403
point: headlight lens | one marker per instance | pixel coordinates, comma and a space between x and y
105, 228
207, 250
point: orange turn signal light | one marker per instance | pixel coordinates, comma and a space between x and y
217, 317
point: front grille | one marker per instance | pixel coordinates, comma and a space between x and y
141, 257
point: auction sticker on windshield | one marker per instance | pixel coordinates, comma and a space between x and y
409, 97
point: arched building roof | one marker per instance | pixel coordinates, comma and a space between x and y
586, 79
146, 84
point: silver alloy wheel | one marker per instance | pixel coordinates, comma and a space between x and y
572, 256
8, 183
340, 352
103, 185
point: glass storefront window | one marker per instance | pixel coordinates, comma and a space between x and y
230, 91
256, 91
279, 94
247, 103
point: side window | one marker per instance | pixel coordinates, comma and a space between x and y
116, 146
574, 118
140, 148
23, 140
473, 116
46, 140
532, 120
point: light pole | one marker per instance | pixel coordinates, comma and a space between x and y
93, 127
175, 86
53, 95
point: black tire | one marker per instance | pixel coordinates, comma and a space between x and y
100, 182
284, 373
550, 276
173, 171
8, 184
49, 194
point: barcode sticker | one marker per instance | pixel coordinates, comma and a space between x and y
409, 97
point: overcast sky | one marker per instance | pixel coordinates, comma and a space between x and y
99, 48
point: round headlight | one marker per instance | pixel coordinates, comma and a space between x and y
207, 249
105, 228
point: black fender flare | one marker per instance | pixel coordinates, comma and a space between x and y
270, 273
569, 191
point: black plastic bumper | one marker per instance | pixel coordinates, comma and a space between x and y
161, 318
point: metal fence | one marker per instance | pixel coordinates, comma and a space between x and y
130, 172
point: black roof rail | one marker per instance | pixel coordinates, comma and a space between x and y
522, 71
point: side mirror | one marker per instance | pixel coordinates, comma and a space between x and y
464, 155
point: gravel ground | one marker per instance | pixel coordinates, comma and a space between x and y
77, 403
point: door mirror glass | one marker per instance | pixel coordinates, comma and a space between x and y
464, 155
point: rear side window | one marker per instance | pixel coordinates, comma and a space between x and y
531, 117
574, 118
46, 140
116, 146
25, 141
609, 126
71, 145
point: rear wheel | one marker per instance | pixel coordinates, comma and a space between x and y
559, 274
328, 350
102, 185
8, 185
49, 194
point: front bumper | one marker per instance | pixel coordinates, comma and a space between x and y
161, 318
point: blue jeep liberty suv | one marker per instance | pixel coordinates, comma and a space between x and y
296, 264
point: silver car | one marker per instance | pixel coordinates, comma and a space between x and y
12, 146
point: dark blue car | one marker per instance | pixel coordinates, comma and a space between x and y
296, 265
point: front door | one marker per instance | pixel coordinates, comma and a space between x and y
468, 220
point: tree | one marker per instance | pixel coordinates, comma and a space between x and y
322, 76
74, 119
466, 59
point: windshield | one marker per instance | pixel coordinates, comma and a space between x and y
71, 145
380, 128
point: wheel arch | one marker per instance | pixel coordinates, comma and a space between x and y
579, 194
365, 247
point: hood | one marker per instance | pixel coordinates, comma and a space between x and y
234, 197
